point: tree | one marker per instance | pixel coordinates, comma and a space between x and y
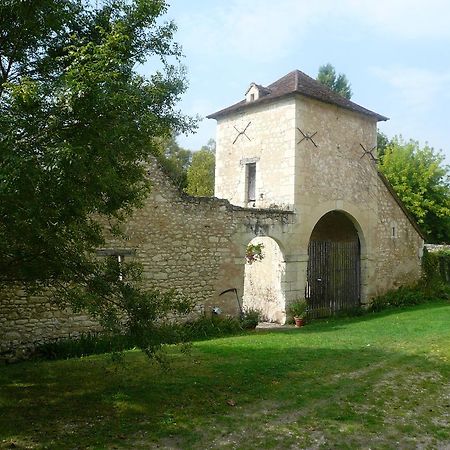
382, 143
420, 179
200, 174
175, 161
77, 126
338, 83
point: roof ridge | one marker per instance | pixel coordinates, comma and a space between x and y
298, 82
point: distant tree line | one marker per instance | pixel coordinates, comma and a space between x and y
191, 171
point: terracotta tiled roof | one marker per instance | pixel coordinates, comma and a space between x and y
297, 82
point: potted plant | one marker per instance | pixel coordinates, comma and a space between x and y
298, 311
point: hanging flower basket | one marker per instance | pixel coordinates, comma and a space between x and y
254, 253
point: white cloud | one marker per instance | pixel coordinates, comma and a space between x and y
418, 89
410, 19
238, 41
266, 30
256, 30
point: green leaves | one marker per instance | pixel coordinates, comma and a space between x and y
338, 83
421, 180
200, 174
77, 126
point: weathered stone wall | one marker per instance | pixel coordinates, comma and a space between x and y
437, 247
30, 320
195, 245
339, 175
329, 172
269, 141
398, 247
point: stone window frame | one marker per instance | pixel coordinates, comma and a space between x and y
393, 230
119, 253
245, 163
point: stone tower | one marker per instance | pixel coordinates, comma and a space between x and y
297, 145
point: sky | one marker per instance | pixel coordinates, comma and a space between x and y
395, 53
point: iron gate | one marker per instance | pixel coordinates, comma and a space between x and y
334, 277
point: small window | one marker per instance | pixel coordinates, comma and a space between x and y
252, 97
251, 182
394, 230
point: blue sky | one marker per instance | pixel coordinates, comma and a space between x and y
396, 54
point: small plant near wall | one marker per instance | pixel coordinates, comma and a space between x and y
250, 318
254, 253
297, 311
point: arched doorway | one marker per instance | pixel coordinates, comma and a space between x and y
334, 266
264, 281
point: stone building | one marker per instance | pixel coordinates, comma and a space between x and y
195, 245
295, 171
298, 146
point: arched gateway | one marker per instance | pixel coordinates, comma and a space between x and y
334, 266
264, 281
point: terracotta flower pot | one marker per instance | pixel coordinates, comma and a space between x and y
299, 322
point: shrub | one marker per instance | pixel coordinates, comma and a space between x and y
176, 333
250, 318
210, 327
254, 252
435, 267
403, 296
84, 345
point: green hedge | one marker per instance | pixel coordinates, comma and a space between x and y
403, 296
434, 285
436, 267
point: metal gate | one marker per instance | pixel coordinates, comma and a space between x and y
334, 277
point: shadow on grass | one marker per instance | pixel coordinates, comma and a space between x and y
93, 402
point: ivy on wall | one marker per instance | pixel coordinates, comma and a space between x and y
436, 266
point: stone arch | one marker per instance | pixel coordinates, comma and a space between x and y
363, 220
334, 270
265, 281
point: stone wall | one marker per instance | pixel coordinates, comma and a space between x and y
195, 245
437, 247
333, 171
269, 141
397, 245
30, 320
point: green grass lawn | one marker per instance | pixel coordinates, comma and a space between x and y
376, 381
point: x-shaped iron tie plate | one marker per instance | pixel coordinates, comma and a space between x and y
369, 152
307, 137
240, 133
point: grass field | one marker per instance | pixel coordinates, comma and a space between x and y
376, 381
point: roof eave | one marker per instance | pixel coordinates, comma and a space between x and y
235, 108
